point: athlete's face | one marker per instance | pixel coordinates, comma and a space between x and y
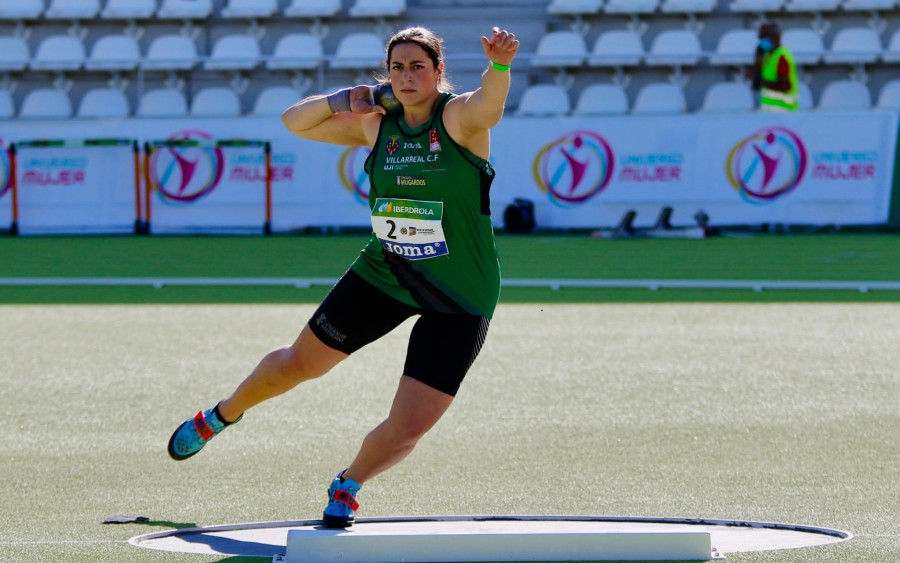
414, 77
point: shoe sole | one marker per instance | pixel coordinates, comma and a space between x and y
336, 522
172, 453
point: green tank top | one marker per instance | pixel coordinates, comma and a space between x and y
432, 243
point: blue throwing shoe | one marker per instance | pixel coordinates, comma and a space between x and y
341, 502
193, 434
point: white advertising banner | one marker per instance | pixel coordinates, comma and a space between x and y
76, 187
798, 168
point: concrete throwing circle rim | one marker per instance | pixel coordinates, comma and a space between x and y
730, 535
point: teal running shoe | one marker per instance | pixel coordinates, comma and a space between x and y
193, 434
341, 502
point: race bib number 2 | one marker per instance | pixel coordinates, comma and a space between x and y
411, 229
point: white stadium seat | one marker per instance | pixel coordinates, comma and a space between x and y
688, 6
46, 103
297, 51
674, 47
14, 54
377, 8
21, 9
560, 49
736, 47
804, 44
892, 53
162, 102
756, 6
805, 97
184, 9
359, 51
601, 99
728, 97
845, 95
868, 5
631, 6
72, 9
574, 7
114, 52
313, 8
7, 110
171, 52
59, 53
812, 5
250, 9
854, 45
660, 98
107, 103
889, 97
544, 100
237, 51
215, 101
128, 9
617, 47
274, 100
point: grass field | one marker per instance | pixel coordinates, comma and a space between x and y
780, 406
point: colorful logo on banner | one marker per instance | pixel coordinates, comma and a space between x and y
185, 174
351, 169
574, 168
766, 165
5, 176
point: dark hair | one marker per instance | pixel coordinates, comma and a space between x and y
429, 42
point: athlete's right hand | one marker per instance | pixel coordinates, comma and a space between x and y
362, 100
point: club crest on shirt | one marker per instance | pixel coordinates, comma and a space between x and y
434, 142
393, 144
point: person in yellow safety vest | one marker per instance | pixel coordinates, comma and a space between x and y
773, 72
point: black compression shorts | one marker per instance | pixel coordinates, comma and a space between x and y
442, 346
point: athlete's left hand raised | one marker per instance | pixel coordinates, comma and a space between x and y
502, 47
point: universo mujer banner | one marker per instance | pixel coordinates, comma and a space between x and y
804, 168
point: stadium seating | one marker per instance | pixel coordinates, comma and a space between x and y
688, 6
735, 47
845, 95
615, 48
274, 100
46, 103
377, 8
804, 44
21, 10
104, 103
560, 49
128, 9
600, 100
854, 45
162, 102
250, 9
674, 47
313, 8
7, 109
215, 101
631, 6
296, 51
728, 97
171, 52
805, 97
756, 6
892, 53
889, 97
812, 5
114, 52
868, 5
660, 98
14, 55
59, 53
359, 51
574, 7
544, 100
184, 9
72, 9
236, 51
